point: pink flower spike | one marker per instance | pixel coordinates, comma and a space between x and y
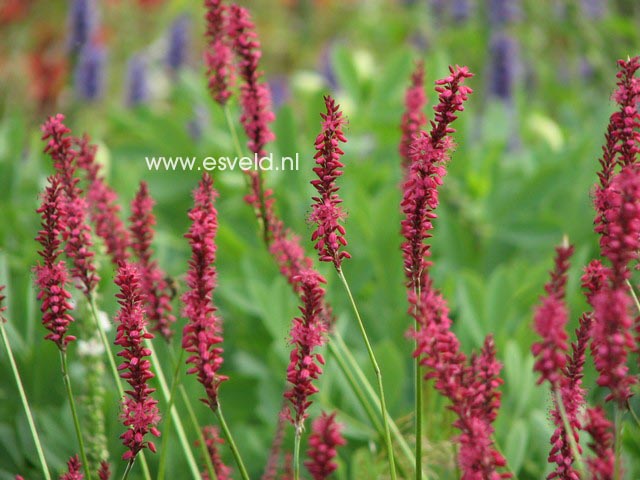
307, 334
51, 275
77, 234
602, 464
213, 441
154, 283
218, 55
2, 297
104, 472
327, 213
140, 413
202, 335
324, 440
73, 470
414, 118
550, 322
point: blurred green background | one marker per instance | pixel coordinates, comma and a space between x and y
520, 178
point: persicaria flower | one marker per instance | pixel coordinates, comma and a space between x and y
218, 55
104, 472
324, 440
307, 334
213, 441
327, 213
154, 283
51, 275
602, 464
73, 469
139, 409
202, 335
414, 117
2, 297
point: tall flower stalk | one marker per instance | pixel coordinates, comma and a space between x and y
325, 438
202, 335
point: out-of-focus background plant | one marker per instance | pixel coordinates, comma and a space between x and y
130, 73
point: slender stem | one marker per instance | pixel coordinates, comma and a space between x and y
418, 395
114, 372
25, 402
186, 447
296, 453
633, 414
201, 440
376, 368
634, 295
74, 413
232, 130
568, 430
234, 449
128, 469
167, 424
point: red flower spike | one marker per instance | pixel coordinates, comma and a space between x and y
77, 234
104, 211
154, 283
73, 470
414, 118
212, 441
140, 413
52, 275
324, 440
218, 55
307, 333
104, 472
602, 464
202, 335
327, 213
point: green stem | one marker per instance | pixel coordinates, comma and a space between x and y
128, 469
167, 424
182, 437
25, 403
296, 453
376, 368
234, 449
114, 372
418, 395
74, 413
633, 414
569, 433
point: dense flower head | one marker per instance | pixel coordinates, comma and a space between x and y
451, 97
218, 55
89, 73
255, 97
178, 42
82, 23
324, 440
307, 334
213, 441
140, 413
52, 275
594, 279
104, 471
326, 211
550, 322
154, 280
77, 234
602, 463
202, 335
413, 118
74, 471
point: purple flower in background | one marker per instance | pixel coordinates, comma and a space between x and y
326, 68
438, 9
89, 74
502, 12
137, 82
82, 22
199, 121
503, 66
279, 86
593, 9
460, 10
178, 43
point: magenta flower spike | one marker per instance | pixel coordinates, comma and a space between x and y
307, 334
414, 118
218, 54
74, 470
154, 280
140, 413
324, 441
326, 212
51, 274
213, 441
104, 472
104, 211
202, 335
602, 464
77, 234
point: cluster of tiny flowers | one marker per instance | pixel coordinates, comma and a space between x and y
139, 409
104, 210
414, 118
202, 335
550, 321
271, 468
326, 211
602, 464
104, 472
307, 334
218, 54
51, 275
212, 441
324, 440
74, 471
428, 153
154, 283
627, 119
77, 234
